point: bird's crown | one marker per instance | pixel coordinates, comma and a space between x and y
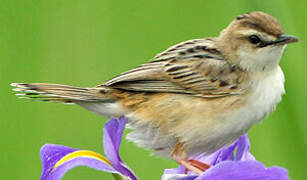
261, 22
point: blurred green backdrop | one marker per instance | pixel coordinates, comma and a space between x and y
84, 43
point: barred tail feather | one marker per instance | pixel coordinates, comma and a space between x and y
58, 93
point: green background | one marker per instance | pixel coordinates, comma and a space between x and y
85, 43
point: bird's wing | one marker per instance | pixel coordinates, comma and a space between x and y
193, 67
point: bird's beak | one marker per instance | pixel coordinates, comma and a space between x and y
282, 39
285, 39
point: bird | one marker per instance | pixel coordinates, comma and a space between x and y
196, 96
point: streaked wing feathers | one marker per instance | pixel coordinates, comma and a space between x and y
151, 86
150, 71
193, 67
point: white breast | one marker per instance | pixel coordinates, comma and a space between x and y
266, 91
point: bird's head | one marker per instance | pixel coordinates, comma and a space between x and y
254, 41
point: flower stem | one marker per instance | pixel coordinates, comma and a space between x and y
119, 177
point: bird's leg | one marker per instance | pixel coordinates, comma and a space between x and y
200, 165
179, 155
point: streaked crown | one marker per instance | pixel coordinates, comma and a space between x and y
260, 21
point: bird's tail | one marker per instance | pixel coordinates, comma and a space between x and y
60, 93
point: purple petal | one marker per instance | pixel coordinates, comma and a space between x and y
243, 149
208, 159
112, 134
50, 154
243, 170
57, 160
179, 170
225, 154
178, 177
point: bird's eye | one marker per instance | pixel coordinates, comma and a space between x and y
254, 39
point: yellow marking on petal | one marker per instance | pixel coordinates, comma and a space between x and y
82, 153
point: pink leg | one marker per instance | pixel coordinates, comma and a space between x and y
187, 165
179, 155
199, 165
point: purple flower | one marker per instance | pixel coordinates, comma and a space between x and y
57, 159
234, 162
226, 164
